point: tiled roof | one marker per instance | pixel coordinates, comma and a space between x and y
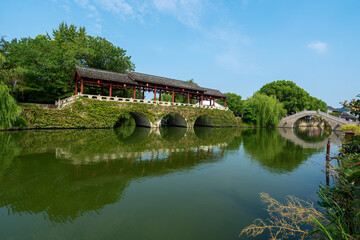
214, 92
147, 78
104, 75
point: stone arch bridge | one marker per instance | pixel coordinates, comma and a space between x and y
90, 111
334, 122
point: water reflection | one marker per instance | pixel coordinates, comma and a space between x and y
64, 174
311, 134
67, 173
274, 152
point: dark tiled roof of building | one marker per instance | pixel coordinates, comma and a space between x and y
134, 77
104, 75
347, 115
147, 78
330, 108
214, 92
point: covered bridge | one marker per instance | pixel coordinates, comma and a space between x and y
143, 83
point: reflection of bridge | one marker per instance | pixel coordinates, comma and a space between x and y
290, 135
335, 122
137, 156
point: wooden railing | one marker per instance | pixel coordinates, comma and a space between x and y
64, 102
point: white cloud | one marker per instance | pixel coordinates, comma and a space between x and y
116, 6
187, 12
318, 46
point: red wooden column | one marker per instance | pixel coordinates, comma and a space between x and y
188, 97
224, 102
202, 99
160, 96
214, 102
82, 87
134, 95
110, 90
155, 94
173, 95
76, 90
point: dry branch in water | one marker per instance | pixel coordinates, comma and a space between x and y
289, 219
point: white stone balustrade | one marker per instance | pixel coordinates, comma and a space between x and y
64, 102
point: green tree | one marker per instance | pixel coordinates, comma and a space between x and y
317, 104
102, 54
178, 98
166, 97
249, 116
47, 62
293, 97
234, 103
9, 110
268, 110
353, 106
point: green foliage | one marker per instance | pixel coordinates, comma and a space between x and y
336, 114
178, 97
249, 116
234, 103
352, 146
273, 152
9, 110
351, 127
294, 98
268, 110
341, 200
353, 106
317, 104
43, 66
88, 113
342, 208
166, 97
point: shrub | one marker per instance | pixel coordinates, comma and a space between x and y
351, 127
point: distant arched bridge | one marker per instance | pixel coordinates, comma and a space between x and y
335, 122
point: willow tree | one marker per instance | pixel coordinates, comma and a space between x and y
9, 110
268, 110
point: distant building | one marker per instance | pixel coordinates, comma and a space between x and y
333, 110
347, 116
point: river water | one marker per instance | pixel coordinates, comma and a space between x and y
138, 183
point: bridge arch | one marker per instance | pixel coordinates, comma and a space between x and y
204, 121
334, 122
173, 120
140, 119
306, 119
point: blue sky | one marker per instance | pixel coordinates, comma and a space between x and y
234, 46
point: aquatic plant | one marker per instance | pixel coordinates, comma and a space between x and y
293, 218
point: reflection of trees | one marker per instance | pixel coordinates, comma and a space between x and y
273, 152
37, 176
311, 134
173, 133
8, 149
64, 191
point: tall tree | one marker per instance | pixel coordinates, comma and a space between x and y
268, 110
293, 97
234, 103
9, 110
47, 62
